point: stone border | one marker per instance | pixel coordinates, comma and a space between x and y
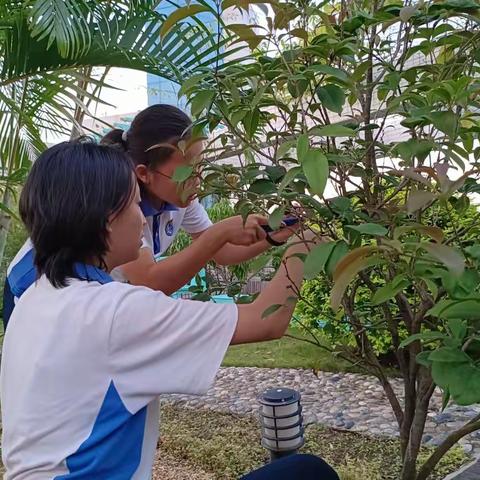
471, 471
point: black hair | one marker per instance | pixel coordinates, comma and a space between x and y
159, 125
72, 190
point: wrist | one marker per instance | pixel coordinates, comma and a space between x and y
272, 242
216, 236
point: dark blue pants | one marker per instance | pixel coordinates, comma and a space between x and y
294, 467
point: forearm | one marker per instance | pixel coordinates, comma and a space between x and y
173, 272
234, 254
282, 290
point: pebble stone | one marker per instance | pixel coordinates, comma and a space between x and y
345, 401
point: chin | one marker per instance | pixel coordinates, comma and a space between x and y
188, 201
134, 256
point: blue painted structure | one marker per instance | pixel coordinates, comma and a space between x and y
161, 90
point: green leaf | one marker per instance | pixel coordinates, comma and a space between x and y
360, 70
328, 70
182, 173
276, 217
458, 328
332, 97
317, 259
262, 187
202, 297
449, 355
369, 229
315, 167
250, 122
446, 122
474, 251
189, 83
289, 177
461, 380
275, 172
297, 87
425, 337
258, 264
423, 359
303, 146
271, 309
450, 257
339, 252
432, 286
464, 309
285, 147
180, 14
445, 397
334, 130
201, 101
390, 290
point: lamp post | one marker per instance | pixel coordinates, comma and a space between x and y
281, 421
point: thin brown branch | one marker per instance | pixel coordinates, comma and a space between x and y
446, 445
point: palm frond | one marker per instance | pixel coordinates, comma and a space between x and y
114, 38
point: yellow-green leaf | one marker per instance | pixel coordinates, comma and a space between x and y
419, 199
182, 173
243, 4
348, 274
315, 167
450, 257
179, 14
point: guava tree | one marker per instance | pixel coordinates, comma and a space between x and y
364, 116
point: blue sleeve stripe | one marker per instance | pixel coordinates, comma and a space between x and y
22, 275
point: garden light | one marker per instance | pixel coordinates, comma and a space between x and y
282, 422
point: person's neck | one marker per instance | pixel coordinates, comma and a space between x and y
155, 202
95, 262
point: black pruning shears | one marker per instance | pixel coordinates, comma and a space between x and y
286, 222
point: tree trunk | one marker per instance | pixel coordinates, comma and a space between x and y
5, 221
425, 389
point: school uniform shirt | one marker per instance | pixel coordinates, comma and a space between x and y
163, 225
21, 274
82, 368
160, 231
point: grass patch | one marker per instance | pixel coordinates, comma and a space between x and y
228, 446
285, 353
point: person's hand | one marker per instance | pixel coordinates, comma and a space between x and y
239, 232
284, 233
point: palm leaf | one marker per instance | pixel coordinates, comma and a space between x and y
116, 38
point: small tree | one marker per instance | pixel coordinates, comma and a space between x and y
377, 102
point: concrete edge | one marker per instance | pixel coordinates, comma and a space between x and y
458, 475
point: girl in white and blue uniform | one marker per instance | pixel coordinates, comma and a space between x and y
152, 143
85, 358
